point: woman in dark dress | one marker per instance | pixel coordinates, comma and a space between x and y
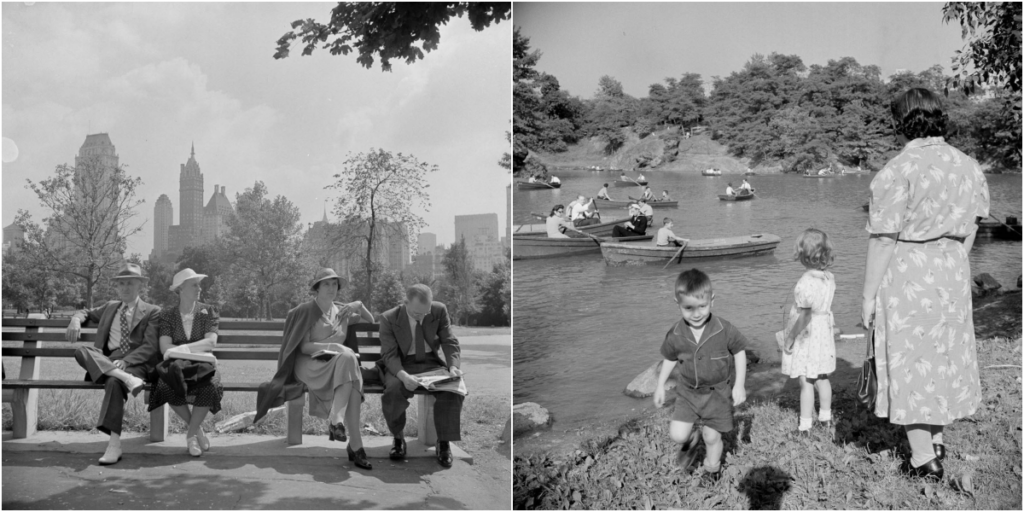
190, 327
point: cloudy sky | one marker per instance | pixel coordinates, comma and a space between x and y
641, 44
158, 76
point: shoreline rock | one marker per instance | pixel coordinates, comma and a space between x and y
529, 416
643, 385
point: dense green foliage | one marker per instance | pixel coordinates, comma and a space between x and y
390, 30
775, 111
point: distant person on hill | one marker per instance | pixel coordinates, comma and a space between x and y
729, 191
647, 195
923, 208
635, 226
666, 236
708, 357
603, 193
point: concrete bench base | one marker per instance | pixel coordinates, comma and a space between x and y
222, 445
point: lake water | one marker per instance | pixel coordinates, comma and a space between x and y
582, 330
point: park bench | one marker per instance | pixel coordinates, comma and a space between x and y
23, 392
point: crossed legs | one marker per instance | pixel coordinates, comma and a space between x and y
347, 409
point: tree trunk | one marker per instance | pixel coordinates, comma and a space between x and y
88, 293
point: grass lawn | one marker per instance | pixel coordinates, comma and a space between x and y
767, 466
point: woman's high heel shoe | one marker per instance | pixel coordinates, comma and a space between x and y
336, 432
359, 457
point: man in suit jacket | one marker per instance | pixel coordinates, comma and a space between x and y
125, 351
413, 339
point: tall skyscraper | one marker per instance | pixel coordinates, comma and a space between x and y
426, 254
163, 219
97, 148
397, 246
480, 232
190, 204
215, 215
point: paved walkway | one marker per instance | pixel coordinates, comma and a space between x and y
59, 470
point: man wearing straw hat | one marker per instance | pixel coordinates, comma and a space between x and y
123, 354
413, 337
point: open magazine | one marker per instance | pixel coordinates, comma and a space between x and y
202, 358
324, 355
441, 380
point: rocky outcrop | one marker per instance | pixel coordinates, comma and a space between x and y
984, 285
644, 384
506, 433
529, 416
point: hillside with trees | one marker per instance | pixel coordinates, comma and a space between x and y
774, 114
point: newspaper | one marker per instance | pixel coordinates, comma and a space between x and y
441, 380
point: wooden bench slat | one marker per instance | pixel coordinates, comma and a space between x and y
372, 388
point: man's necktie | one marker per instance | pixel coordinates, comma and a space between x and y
421, 344
124, 330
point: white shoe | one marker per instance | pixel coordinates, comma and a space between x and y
112, 455
204, 442
135, 385
193, 447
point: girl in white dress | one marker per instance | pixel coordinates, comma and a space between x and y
808, 343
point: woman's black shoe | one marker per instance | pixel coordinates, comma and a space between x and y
940, 451
930, 469
336, 432
359, 457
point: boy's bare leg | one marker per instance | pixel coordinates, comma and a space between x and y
713, 447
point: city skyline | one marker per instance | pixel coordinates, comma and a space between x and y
155, 92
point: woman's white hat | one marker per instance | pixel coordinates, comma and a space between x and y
184, 275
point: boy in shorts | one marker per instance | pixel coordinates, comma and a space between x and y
708, 357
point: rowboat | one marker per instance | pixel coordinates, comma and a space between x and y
991, 228
538, 245
525, 185
819, 175
602, 229
750, 173
604, 203
737, 197
617, 254
711, 172
628, 183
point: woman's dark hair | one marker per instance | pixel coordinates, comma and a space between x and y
316, 287
918, 113
555, 209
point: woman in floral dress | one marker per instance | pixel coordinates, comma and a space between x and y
917, 287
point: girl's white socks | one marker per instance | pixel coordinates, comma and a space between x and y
805, 424
825, 415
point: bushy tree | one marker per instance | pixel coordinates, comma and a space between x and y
389, 30
458, 290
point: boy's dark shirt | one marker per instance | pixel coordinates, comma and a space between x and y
709, 362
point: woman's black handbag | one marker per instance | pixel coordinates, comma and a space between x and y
867, 381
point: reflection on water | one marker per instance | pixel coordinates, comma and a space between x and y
583, 330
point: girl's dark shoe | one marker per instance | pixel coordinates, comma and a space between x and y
688, 453
336, 432
932, 469
359, 457
940, 451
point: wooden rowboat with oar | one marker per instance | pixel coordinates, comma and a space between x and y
647, 253
540, 185
604, 203
531, 246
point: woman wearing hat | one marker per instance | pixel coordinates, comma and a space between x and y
190, 327
334, 382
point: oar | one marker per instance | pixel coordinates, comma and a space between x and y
678, 254
541, 215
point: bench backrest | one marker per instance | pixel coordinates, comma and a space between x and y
361, 337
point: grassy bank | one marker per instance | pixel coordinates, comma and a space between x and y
767, 466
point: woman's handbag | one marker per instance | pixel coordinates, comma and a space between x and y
867, 381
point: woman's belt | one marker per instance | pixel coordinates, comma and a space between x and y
951, 237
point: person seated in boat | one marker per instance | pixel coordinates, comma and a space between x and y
580, 213
603, 193
745, 187
647, 195
635, 226
623, 177
665, 196
555, 181
556, 223
729, 191
533, 179
646, 210
641, 178
666, 237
